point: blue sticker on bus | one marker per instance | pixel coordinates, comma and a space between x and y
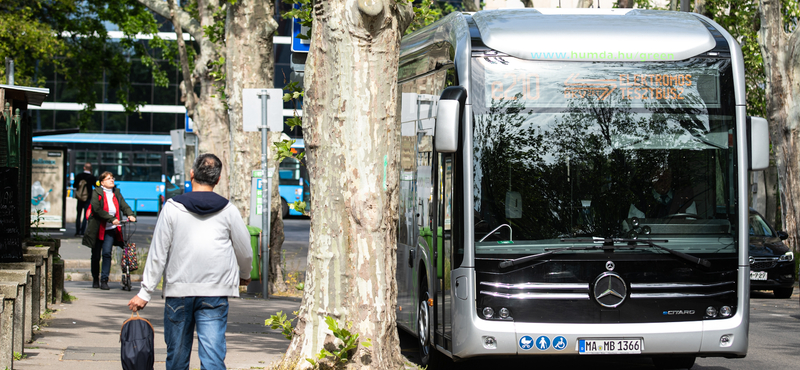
559, 343
542, 343
526, 342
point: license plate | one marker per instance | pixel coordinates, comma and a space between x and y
758, 275
609, 346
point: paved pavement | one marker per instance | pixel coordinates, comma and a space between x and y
84, 334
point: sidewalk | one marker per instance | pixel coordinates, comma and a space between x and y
84, 334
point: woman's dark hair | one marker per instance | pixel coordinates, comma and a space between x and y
207, 168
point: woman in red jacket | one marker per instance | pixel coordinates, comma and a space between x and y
104, 231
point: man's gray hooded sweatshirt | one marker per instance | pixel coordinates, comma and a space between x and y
201, 246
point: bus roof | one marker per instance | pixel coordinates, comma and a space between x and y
105, 139
594, 34
120, 139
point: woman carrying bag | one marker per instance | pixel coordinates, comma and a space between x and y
103, 231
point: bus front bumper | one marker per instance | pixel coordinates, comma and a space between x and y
709, 338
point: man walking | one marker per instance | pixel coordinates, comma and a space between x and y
84, 184
201, 246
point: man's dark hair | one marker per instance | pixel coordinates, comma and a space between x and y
207, 168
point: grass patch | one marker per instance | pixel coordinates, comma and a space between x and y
67, 298
19, 356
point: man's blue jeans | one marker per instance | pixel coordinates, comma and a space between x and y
210, 316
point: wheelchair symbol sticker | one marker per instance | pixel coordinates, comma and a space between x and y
559, 343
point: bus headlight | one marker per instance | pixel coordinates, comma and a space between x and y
788, 257
504, 313
488, 312
711, 311
725, 311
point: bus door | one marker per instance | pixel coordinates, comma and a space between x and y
443, 312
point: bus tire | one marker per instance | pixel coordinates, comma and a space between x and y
428, 354
783, 292
284, 208
674, 362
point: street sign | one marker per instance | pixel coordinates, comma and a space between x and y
189, 124
251, 109
298, 45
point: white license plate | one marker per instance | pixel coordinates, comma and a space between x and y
609, 346
758, 275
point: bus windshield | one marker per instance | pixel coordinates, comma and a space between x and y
582, 150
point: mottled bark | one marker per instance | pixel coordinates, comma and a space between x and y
625, 4
249, 64
471, 5
206, 109
585, 3
527, 3
276, 237
781, 54
352, 143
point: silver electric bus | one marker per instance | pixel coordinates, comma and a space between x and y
574, 182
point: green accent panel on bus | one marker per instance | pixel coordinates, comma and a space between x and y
426, 234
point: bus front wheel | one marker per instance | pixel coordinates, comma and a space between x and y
423, 327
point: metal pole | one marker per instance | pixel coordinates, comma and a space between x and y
266, 193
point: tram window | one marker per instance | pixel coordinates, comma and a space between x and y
115, 158
82, 158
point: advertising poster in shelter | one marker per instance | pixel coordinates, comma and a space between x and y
47, 187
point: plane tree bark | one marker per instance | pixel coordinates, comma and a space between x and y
780, 51
199, 88
249, 63
352, 142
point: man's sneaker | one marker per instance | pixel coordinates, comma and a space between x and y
104, 285
95, 283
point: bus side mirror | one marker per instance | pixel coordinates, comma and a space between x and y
448, 117
758, 143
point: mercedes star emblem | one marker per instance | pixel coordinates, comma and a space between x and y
610, 266
610, 290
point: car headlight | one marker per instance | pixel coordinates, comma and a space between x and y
789, 256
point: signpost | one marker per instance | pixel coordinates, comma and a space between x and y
270, 117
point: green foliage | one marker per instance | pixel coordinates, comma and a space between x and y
349, 341
300, 206
302, 10
37, 232
67, 298
428, 11
19, 356
70, 37
280, 321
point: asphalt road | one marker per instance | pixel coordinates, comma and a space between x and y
774, 323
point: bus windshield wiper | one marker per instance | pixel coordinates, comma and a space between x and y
696, 260
521, 260
608, 244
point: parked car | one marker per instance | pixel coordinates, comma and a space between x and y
771, 261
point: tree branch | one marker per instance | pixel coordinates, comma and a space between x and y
188, 23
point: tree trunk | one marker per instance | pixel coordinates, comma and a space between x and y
276, 236
352, 141
527, 3
585, 3
206, 109
472, 6
626, 4
781, 53
250, 65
